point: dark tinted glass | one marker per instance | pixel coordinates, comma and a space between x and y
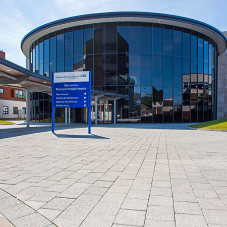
99, 43
111, 69
122, 34
98, 70
134, 69
123, 69
111, 39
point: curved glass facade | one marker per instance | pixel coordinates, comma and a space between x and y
169, 73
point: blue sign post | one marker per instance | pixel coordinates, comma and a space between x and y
71, 89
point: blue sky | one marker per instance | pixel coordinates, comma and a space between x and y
18, 17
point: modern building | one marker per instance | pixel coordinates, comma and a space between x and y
163, 67
12, 100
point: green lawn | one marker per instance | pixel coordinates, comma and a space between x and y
215, 125
2, 122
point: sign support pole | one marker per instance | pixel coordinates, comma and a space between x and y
89, 105
53, 109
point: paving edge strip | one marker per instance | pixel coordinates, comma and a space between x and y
11, 222
200, 129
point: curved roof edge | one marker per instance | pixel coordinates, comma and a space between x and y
179, 21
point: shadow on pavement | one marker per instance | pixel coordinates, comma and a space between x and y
92, 136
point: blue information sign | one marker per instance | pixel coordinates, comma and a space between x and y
71, 89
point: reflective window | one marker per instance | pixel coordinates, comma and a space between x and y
168, 73
99, 38
146, 76
157, 70
186, 45
168, 41
111, 38
88, 40
122, 33
46, 56
146, 104
134, 39
177, 42
78, 42
134, 69
146, 39
53, 54
41, 57
157, 37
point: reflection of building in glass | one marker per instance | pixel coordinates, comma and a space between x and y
168, 72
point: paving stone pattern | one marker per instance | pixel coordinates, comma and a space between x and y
129, 175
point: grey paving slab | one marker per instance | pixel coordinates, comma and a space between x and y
139, 175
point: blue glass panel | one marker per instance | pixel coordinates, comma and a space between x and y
210, 58
186, 66
37, 58
52, 48
200, 55
168, 77
205, 57
157, 71
41, 58
68, 44
168, 42
177, 43
157, 104
41, 53
33, 55
123, 69
186, 45
177, 72
157, 40
146, 76
69, 64
78, 42
88, 40
78, 63
60, 65
60, 46
146, 104
134, 39
123, 45
134, 69
146, 40
46, 69
194, 45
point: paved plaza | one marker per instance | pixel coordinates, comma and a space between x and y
129, 175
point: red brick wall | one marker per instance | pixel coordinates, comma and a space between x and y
9, 93
2, 54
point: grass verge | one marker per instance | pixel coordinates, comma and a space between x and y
2, 122
215, 125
